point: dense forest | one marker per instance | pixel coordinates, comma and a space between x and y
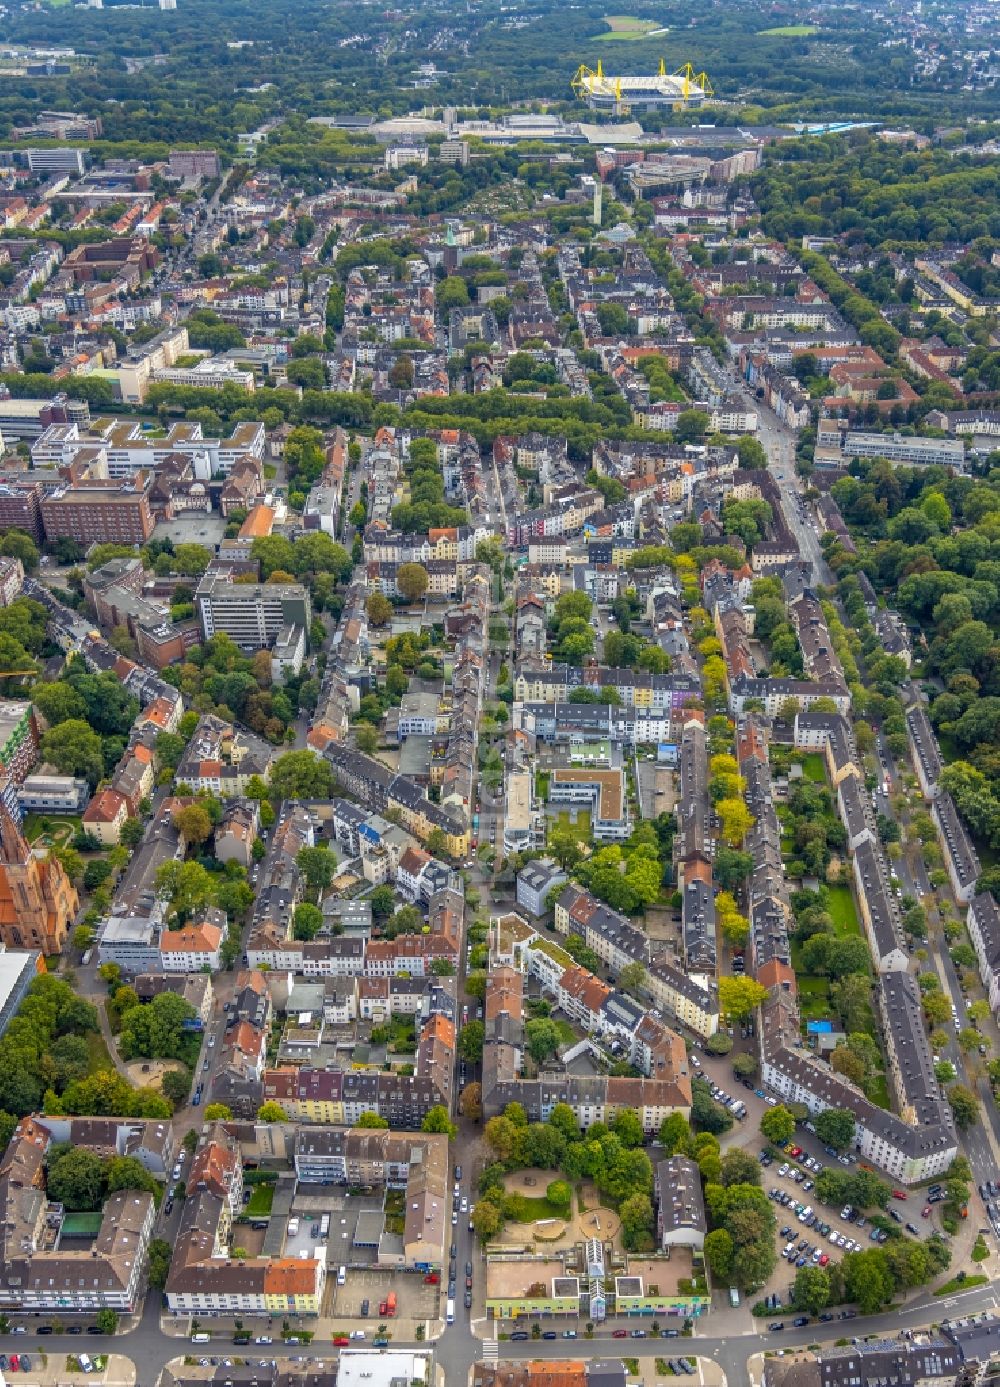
931, 543
876, 194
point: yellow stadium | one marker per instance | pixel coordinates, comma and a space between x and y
663, 89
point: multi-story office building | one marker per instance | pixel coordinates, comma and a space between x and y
253, 614
101, 512
62, 161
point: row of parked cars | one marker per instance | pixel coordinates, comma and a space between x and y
15, 1362
519, 1335
49, 1329
735, 1105
800, 1320
800, 1253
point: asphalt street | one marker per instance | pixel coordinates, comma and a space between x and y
457, 1349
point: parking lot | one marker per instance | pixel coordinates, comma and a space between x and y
815, 1234
414, 1300
805, 1241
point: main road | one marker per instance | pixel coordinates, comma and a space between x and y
457, 1349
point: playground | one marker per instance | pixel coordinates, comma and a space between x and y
555, 1224
150, 1073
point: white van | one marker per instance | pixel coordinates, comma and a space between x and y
85, 1364
293, 1227
342, 1277
200, 1338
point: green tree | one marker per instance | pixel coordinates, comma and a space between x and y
271, 1112
192, 823
811, 1290
412, 580
301, 775
366, 739
218, 1112
74, 748
636, 1214
691, 426
307, 921
128, 1173
159, 1254
437, 1120
452, 292
382, 901
317, 865
176, 1085
868, 1281
132, 833
964, 1106
15, 544
187, 887
470, 1041
719, 1249
58, 702
740, 1168
675, 1134
835, 1128
487, 1219
77, 1179
627, 1127
542, 1039
739, 997
373, 1120
379, 609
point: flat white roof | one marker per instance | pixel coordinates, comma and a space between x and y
364, 1367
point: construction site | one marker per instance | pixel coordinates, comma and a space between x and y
662, 90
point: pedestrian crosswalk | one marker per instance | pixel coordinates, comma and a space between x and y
491, 1350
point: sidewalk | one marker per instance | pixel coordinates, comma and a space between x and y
50, 1370
221, 1328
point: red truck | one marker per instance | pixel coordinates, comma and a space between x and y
390, 1304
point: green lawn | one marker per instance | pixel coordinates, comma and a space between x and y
627, 28
61, 827
565, 817
814, 767
814, 999
536, 1207
790, 31
98, 1057
843, 912
261, 1201
629, 36
966, 1284
567, 1035
878, 1092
